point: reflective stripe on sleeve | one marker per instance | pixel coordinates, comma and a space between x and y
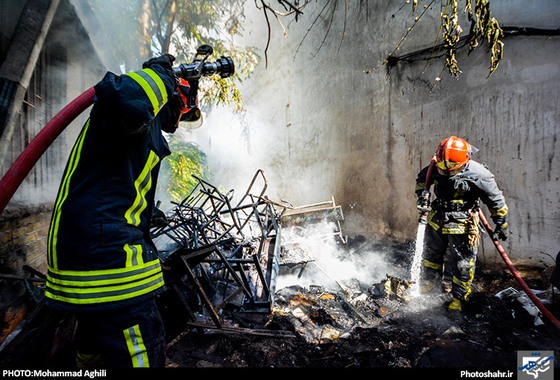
153, 86
499, 212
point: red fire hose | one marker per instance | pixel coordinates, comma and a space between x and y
430, 170
31, 154
516, 274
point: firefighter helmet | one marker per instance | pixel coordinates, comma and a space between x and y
191, 118
452, 154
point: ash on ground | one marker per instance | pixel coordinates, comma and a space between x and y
335, 313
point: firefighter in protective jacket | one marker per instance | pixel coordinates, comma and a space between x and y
459, 183
102, 263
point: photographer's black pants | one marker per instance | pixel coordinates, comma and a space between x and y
132, 336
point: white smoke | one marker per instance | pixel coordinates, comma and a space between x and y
330, 263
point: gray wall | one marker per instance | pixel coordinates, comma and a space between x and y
319, 126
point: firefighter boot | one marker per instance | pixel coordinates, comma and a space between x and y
455, 305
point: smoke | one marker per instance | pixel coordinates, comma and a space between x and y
329, 263
237, 145
228, 141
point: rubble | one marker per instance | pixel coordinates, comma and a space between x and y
221, 257
351, 321
510, 294
248, 288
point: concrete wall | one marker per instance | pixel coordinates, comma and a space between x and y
319, 126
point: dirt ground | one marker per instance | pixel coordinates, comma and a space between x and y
379, 326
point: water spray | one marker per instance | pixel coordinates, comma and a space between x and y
424, 208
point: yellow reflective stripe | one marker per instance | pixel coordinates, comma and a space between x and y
153, 86
159, 83
432, 265
63, 194
142, 185
462, 284
420, 186
148, 90
103, 277
96, 295
136, 347
133, 255
431, 222
461, 229
499, 212
467, 285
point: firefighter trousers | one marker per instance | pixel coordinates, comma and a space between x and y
463, 260
132, 336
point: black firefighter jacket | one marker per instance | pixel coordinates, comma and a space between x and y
458, 195
100, 254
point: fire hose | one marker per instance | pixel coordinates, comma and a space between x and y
24, 163
516, 274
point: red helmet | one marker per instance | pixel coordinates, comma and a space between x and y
453, 153
192, 116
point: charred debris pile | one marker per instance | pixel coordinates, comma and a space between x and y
259, 283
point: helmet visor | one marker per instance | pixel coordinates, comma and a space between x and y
192, 119
448, 165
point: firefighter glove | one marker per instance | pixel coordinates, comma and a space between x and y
158, 218
165, 60
501, 232
423, 202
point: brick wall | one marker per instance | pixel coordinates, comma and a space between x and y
23, 243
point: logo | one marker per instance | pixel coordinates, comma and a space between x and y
532, 365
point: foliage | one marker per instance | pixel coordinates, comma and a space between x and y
212, 22
483, 27
186, 160
139, 29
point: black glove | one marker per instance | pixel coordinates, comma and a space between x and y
166, 63
158, 218
500, 232
165, 60
423, 202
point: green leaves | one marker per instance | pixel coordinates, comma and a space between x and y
186, 160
